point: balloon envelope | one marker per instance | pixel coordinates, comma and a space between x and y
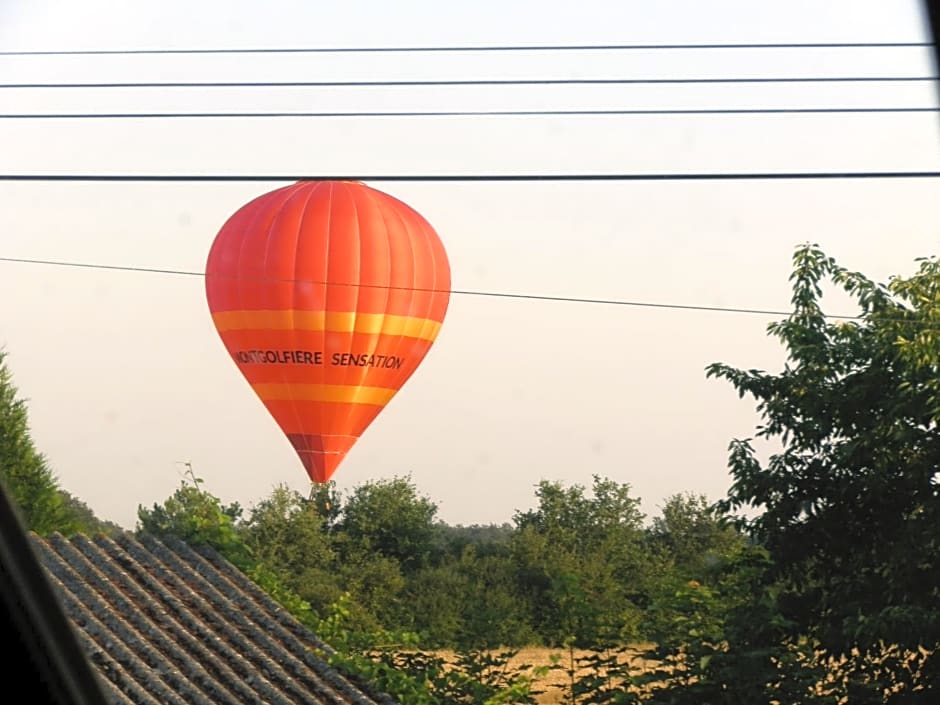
327, 295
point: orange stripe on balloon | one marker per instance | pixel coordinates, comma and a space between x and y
339, 393
328, 321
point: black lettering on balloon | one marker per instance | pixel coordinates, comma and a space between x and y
315, 357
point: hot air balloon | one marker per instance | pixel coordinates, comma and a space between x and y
327, 295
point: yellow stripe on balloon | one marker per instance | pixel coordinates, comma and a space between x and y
329, 321
340, 393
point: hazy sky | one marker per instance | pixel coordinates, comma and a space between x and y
126, 376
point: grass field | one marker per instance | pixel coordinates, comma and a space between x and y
557, 683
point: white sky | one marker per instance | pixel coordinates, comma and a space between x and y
126, 377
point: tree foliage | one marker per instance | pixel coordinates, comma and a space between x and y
848, 508
197, 517
389, 518
24, 472
693, 536
581, 559
83, 519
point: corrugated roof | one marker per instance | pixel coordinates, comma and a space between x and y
168, 624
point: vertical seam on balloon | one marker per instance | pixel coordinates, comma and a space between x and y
287, 195
293, 289
437, 248
429, 236
301, 428
352, 370
377, 337
238, 283
325, 284
398, 380
328, 236
415, 291
357, 282
424, 237
432, 296
388, 273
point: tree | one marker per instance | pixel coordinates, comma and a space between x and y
389, 518
199, 518
849, 507
85, 520
470, 601
485, 539
693, 535
24, 472
287, 532
581, 561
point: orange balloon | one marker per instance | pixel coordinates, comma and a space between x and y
327, 295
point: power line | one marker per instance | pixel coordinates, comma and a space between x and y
477, 82
432, 178
459, 292
468, 48
463, 113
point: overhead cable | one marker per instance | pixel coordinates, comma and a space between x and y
467, 48
461, 113
458, 292
475, 82
662, 176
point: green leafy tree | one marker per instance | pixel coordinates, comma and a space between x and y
288, 533
376, 584
197, 517
581, 560
433, 612
496, 610
485, 539
726, 642
392, 662
848, 508
24, 473
328, 502
389, 518
472, 601
84, 519
693, 536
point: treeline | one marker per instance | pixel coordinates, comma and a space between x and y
815, 580
581, 567
380, 580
